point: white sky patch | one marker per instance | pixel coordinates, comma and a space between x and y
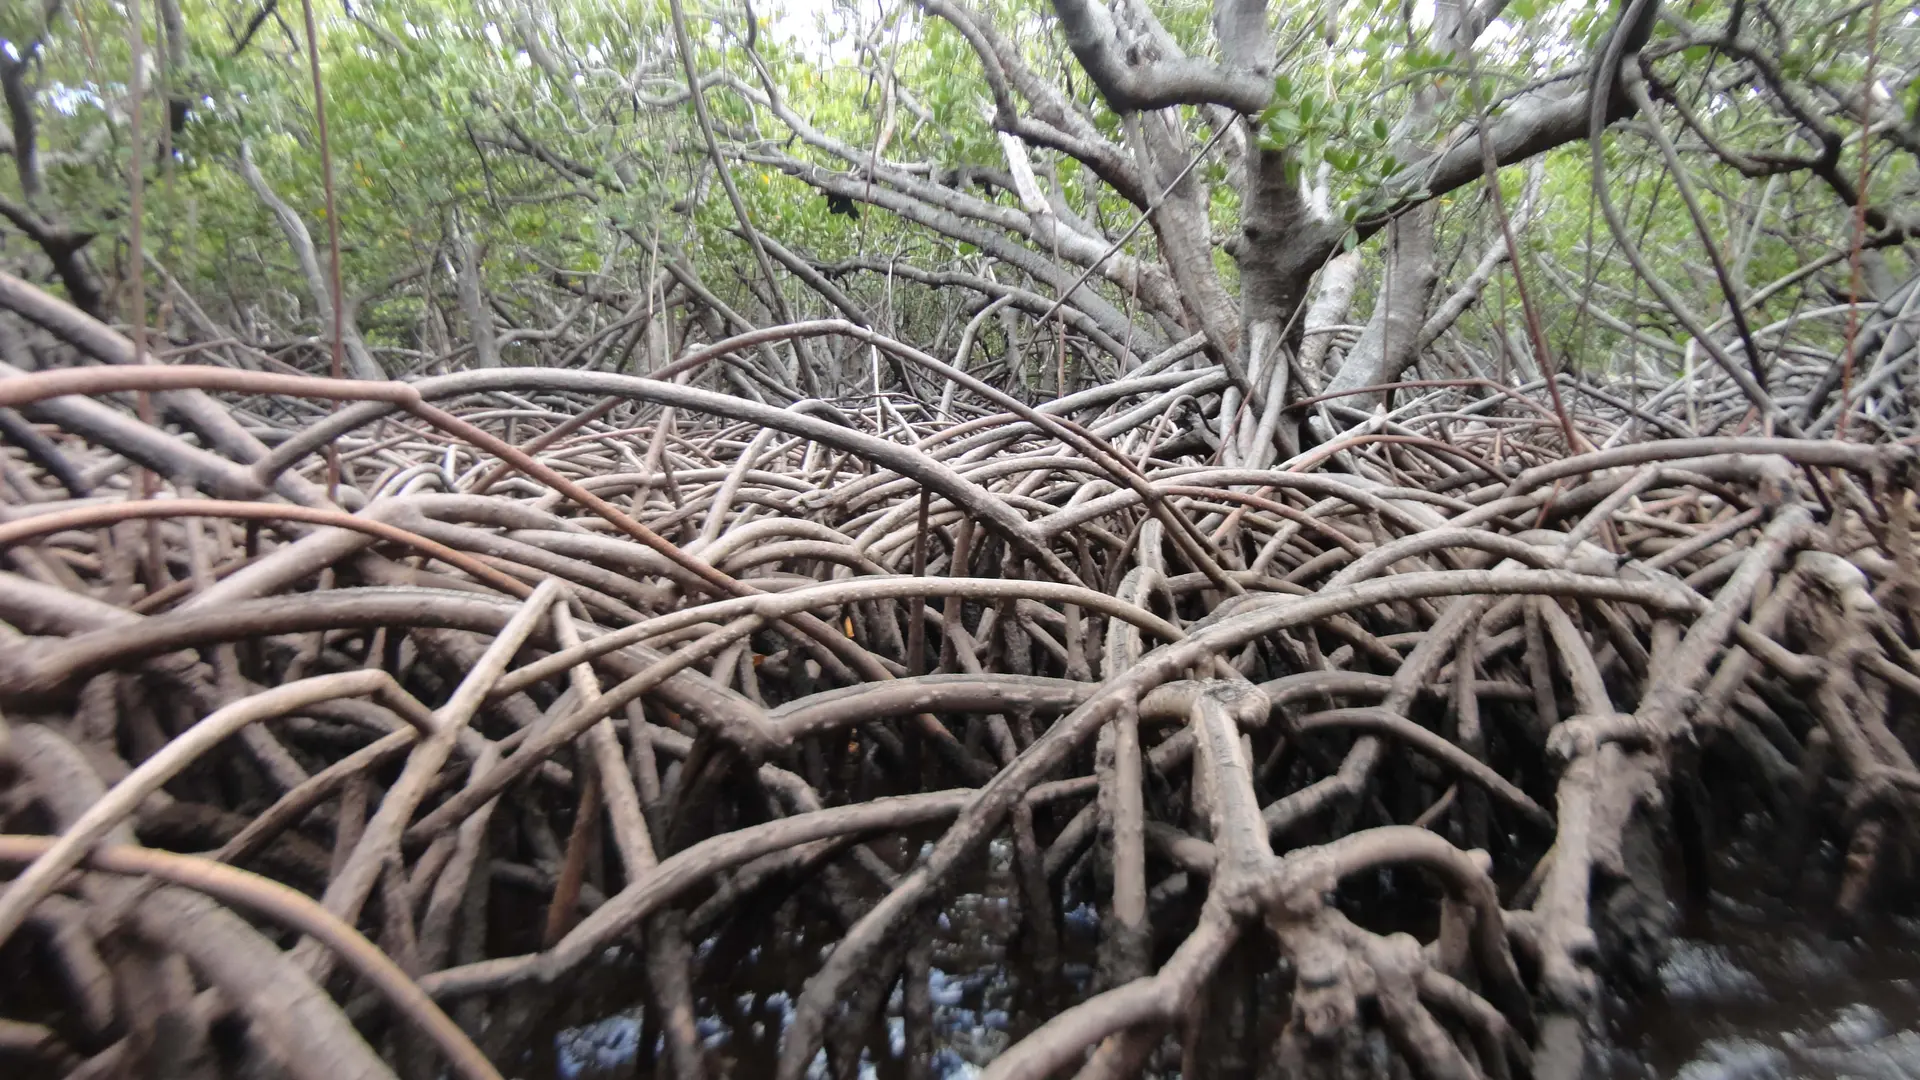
69, 100
806, 26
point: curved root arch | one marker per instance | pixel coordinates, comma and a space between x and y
572, 673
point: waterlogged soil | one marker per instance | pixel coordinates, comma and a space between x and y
1746, 1002
1749, 993
980, 988
1754, 999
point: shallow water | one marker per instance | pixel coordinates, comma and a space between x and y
978, 987
1752, 1000
1754, 996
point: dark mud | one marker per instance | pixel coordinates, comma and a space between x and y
1750, 1001
981, 980
1757, 999
1753, 991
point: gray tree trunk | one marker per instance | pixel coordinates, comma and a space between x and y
1388, 346
360, 363
473, 303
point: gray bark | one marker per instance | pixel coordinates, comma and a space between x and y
473, 304
360, 363
1330, 306
1131, 83
1388, 346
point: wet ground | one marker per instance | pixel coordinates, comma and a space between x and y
979, 986
1753, 995
1761, 1000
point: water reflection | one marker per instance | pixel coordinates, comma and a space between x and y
977, 984
1757, 997
1773, 1002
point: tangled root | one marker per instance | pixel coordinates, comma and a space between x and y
385, 744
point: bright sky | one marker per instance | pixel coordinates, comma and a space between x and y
806, 25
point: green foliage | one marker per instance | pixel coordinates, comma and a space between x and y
1319, 130
445, 110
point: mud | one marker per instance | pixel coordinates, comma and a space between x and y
1750, 991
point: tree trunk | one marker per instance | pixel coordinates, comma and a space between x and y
473, 304
1387, 347
360, 363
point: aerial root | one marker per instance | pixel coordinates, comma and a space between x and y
708, 701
